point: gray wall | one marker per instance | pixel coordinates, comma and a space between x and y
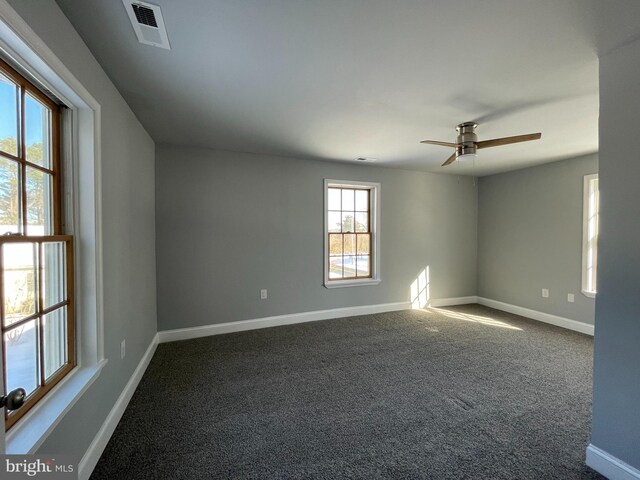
530, 237
616, 382
128, 229
229, 224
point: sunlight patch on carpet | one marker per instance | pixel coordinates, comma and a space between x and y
474, 318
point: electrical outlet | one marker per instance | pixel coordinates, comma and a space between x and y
571, 298
263, 294
123, 349
545, 293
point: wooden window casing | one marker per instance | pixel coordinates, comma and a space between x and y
44, 257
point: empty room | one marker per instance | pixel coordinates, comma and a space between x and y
316, 239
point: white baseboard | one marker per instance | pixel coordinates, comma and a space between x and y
447, 302
93, 453
289, 319
610, 466
265, 322
540, 316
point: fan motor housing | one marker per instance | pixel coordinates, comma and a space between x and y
466, 138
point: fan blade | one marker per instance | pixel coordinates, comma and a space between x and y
442, 144
496, 142
451, 159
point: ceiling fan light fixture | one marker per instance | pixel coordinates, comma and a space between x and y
467, 142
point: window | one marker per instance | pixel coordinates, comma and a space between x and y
591, 200
36, 258
351, 233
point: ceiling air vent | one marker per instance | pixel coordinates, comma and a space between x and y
147, 22
145, 15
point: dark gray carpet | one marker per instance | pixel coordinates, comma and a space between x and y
437, 394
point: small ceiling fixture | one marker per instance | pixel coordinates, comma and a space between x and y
146, 19
467, 142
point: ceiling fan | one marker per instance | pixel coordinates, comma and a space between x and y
467, 141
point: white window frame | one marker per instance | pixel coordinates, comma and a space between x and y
590, 203
375, 278
81, 161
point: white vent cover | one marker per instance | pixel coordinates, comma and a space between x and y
147, 22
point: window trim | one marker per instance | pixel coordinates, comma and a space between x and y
374, 215
82, 159
44, 385
586, 192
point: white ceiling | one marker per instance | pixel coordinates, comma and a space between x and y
341, 79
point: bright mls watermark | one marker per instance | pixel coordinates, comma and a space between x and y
52, 467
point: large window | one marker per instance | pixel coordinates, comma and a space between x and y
351, 237
36, 258
591, 202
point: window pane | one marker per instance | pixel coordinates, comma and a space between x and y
334, 221
333, 199
347, 221
349, 212
21, 365
19, 279
39, 202
348, 199
335, 244
363, 266
591, 230
362, 222
37, 132
335, 267
9, 196
8, 116
54, 287
362, 200
590, 235
349, 266
55, 344
363, 244
349, 244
